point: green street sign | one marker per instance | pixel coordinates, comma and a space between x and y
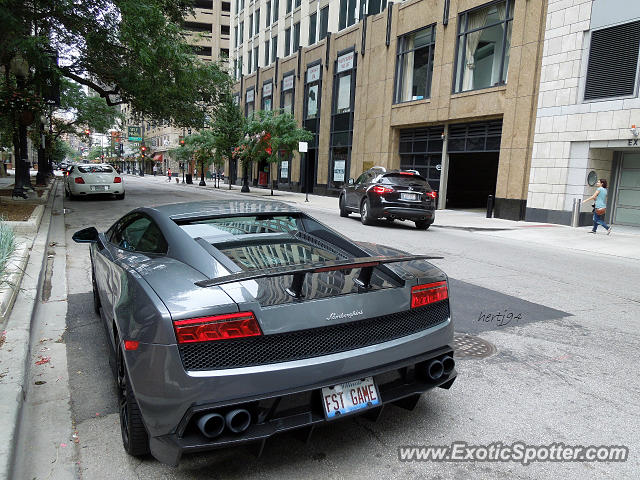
134, 134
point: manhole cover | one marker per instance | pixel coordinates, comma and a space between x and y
469, 346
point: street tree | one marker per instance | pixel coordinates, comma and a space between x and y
127, 51
280, 137
228, 129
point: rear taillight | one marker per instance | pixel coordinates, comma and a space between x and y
117, 180
380, 190
131, 345
429, 293
217, 327
432, 194
407, 173
78, 180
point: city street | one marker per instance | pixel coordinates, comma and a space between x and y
563, 345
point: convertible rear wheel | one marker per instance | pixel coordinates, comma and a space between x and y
343, 211
135, 438
365, 213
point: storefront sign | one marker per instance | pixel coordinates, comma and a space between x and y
134, 134
633, 142
313, 74
338, 171
250, 95
284, 169
287, 83
267, 89
345, 62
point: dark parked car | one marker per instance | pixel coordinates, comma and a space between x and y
394, 195
232, 321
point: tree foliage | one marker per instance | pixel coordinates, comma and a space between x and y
127, 51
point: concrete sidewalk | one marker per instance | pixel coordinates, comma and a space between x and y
624, 241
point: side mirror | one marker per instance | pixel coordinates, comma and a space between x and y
351, 181
86, 235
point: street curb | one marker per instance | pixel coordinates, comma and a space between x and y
31, 225
14, 352
10, 286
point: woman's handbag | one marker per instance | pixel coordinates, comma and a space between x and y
601, 211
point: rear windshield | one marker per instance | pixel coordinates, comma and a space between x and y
404, 180
251, 224
95, 169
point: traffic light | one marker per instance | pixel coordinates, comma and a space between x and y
181, 140
143, 148
87, 131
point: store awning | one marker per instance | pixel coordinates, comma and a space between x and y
157, 158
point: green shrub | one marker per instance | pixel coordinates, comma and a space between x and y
7, 245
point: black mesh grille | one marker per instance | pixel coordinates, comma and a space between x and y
310, 343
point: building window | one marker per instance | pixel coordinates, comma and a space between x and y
241, 4
267, 96
235, 36
255, 58
414, 65
239, 66
287, 42
197, 27
324, 23
274, 48
613, 62
347, 14
421, 150
312, 28
224, 53
484, 39
289, 4
375, 6
202, 51
342, 118
224, 29
276, 10
298, 2
266, 52
250, 25
296, 36
267, 17
312, 94
249, 62
257, 27
226, 6
249, 105
241, 33
287, 89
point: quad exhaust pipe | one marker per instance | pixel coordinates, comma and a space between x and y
238, 420
437, 368
211, 425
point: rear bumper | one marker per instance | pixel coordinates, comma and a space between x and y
406, 213
400, 382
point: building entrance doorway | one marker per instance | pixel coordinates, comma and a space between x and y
627, 210
308, 170
472, 178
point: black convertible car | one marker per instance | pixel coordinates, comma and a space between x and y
233, 321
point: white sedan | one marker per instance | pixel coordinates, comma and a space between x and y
88, 179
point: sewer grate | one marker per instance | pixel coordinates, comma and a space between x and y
470, 346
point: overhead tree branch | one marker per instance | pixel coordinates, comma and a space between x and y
104, 93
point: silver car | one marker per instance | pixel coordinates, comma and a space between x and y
232, 321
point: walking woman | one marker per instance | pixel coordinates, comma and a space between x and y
600, 197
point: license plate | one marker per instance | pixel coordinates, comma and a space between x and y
99, 188
349, 397
409, 196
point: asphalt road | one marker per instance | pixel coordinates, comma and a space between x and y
564, 368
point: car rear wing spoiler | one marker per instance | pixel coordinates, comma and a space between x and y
366, 264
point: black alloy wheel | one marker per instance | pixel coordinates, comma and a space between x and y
343, 211
422, 225
365, 213
135, 438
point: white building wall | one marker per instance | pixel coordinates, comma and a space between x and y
573, 137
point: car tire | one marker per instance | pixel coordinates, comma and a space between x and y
422, 225
390, 220
120, 196
96, 295
343, 211
70, 195
135, 438
365, 213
